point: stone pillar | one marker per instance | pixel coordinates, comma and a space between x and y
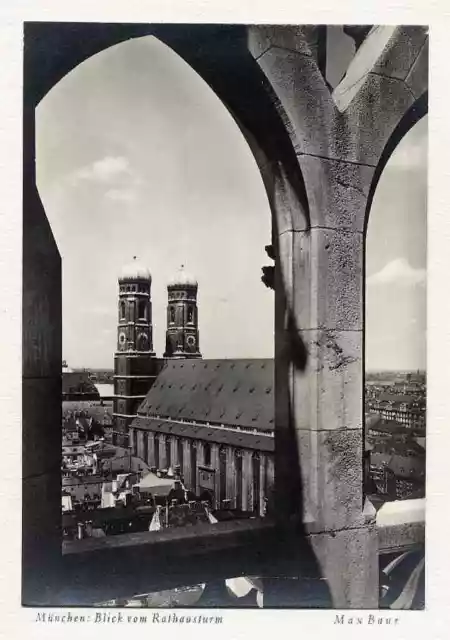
262, 483
174, 452
131, 440
215, 463
140, 444
247, 481
162, 451
41, 387
151, 457
200, 448
231, 476
187, 471
318, 239
270, 475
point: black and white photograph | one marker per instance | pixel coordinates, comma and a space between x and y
224, 319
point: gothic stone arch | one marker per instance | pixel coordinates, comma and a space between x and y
318, 153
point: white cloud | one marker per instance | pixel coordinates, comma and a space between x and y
400, 272
412, 151
104, 170
411, 156
121, 195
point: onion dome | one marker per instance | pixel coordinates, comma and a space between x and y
182, 279
135, 271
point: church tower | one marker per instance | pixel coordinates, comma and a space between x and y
135, 365
182, 339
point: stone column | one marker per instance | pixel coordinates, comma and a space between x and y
173, 452
200, 447
131, 440
162, 451
215, 463
140, 444
247, 481
270, 474
187, 471
262, 483
151, 457
231, 476
41, 391
318, 239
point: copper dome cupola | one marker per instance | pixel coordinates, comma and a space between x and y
134, 271
182, 279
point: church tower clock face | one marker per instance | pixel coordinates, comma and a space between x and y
122, 340
182, 338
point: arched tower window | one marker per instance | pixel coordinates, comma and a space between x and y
142, 310
122, 310
172, 315
207, 454
190, 315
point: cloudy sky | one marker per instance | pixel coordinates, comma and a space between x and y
137, 156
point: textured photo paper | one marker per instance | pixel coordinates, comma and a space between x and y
225, 387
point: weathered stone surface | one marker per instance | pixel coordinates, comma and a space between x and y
362, 64
41, 419
321, 271
349, 560
331, 473
334, 387
417, 78
290, 211
297, 38
336, 280
315, 124
370, 123
339, 479
331, 477
295, 267
337, 192
304, 97
401, 51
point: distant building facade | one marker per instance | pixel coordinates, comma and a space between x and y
77, 385
408, 410
211, 419
214, 420
396, 461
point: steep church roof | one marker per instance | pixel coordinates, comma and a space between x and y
229, 392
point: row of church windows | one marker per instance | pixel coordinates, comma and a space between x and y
190, 315
142, 312
141, 309
133, 288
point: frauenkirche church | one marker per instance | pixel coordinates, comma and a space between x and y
211, 420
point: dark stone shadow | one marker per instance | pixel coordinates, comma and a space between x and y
296, 579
